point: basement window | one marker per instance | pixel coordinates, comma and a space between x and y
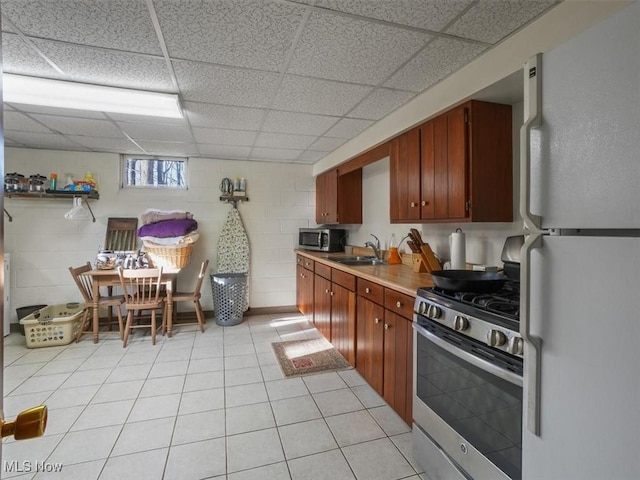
154, 172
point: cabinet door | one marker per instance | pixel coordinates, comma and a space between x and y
398, 364
370, 343
457, 162
327, 197
301, 289
343, 322
322, 305
404, 170
428, 171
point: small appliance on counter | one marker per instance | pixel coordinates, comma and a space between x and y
322, 239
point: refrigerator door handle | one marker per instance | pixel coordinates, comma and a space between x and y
532, 118
533, 344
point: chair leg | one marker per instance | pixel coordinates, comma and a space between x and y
127, 328
120, 323
200, 315
153, 327
83, 324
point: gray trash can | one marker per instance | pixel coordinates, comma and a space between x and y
229, 297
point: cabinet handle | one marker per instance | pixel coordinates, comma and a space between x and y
386, 326
376, 320
399, 304
413, 204
424, 203
331, 293
367, 290
326, 290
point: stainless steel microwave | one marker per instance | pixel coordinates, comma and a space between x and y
322, 239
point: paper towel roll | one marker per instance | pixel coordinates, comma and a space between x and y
458, 251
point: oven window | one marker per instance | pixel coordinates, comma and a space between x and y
309, 239
484, 409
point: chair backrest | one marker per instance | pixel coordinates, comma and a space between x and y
84, 282
141, 287
203, 272
122, 234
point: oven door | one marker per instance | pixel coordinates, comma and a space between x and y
468, 401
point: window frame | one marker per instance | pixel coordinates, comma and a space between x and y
124, 158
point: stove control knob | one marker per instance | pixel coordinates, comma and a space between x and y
460, 323
434, 312
515, 346
422, 308
495, 338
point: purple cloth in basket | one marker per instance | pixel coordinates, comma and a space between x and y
168, 228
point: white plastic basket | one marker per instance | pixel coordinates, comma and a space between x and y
53, 325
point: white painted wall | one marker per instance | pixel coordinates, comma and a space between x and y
43, 245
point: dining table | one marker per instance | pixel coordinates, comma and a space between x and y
110, 278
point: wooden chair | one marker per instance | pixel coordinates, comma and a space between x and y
142, 292
122, 234
194, 297
85, 285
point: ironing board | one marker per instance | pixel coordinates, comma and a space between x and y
233, 248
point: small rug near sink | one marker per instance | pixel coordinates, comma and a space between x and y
300, 357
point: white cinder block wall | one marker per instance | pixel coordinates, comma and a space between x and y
43, 244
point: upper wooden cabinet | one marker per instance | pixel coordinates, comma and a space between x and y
339, 197
455, 167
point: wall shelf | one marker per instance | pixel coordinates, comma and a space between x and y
46, 195
233, 199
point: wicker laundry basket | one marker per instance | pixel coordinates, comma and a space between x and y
169, 256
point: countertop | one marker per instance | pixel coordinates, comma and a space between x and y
398, 277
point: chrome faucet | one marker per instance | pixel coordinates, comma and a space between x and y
375, 247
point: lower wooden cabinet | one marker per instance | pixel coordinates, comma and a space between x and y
384, 350
322, 305
304, 290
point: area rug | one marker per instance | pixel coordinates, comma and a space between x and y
301, 357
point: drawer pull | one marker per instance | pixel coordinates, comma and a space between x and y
376, 320
399, 304
367, 290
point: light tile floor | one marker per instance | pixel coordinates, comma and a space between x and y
198, 406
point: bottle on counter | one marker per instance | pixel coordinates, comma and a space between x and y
53, 181
394, 256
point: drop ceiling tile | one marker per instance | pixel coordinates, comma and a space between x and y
117, 69
223, 116
167, 133
277, 154
351, 50
326, 144
224, 151
17, 121
439, 60
329, 97
43, 140
252, 33
123, 117
348, 127
427, 14
492, 20
80, 126
224, 137
310, 157
380, 103
298, 123
119, 145
226, 85
179, 149
21, 59
118, 24
283, 140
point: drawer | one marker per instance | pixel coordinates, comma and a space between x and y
323, 270
399, 303
370, 290
345, 279
305, 262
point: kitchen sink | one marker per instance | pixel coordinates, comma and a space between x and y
356, 260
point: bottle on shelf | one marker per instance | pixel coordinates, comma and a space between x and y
53, 182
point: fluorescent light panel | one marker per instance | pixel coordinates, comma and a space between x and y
81, 96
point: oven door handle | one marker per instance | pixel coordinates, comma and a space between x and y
488, 367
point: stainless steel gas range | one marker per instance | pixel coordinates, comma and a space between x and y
468, 364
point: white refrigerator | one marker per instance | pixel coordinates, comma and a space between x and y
580, 287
